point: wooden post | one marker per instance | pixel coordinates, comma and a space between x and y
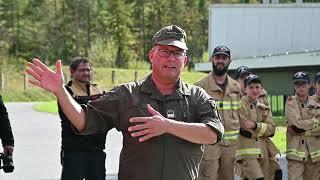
67, 77
135, 75
1, 80
113, 76
271, 104
25, 81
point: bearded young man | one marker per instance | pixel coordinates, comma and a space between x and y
218, 159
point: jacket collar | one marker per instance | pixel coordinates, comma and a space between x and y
80, 87
149, 87
300, 101
84, 89
213, 86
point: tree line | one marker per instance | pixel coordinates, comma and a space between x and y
112, 33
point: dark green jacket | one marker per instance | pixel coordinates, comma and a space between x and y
5, 127
164, 157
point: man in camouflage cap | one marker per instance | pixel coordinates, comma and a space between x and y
164, 121
171, 35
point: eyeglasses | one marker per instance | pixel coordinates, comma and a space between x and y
166, 53
84, 70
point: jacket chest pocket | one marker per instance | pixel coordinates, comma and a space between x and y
137, 110
177, 110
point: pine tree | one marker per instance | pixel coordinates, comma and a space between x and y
119, 21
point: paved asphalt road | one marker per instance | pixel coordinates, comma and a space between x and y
37, 145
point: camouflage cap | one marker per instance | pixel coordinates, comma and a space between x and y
221, 50
317, 77
301, 77
252, 78
241, 71
171, 35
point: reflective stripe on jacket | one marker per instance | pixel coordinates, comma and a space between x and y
258, 145
303, 115
228, 104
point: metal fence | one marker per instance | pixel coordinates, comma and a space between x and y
277, 104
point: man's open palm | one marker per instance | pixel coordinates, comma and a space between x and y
45, 77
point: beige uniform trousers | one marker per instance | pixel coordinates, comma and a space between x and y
273, 166
218, 163
308, 170
253, 169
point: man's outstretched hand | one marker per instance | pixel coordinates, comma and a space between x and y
152, 126
45, 77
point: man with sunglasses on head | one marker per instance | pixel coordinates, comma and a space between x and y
164, 121
218, 159
82, 157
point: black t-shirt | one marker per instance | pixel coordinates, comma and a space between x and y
223, 86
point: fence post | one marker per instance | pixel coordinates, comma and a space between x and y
113, 76
271, 104
66, 75
135, 75
1, 80
25, 81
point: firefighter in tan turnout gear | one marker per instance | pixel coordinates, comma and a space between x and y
218, 160
275, 171
314, 107
303, 137
257, 127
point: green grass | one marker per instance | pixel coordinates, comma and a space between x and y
279, 139
14, 81
34, 94
49, 106
103, 76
